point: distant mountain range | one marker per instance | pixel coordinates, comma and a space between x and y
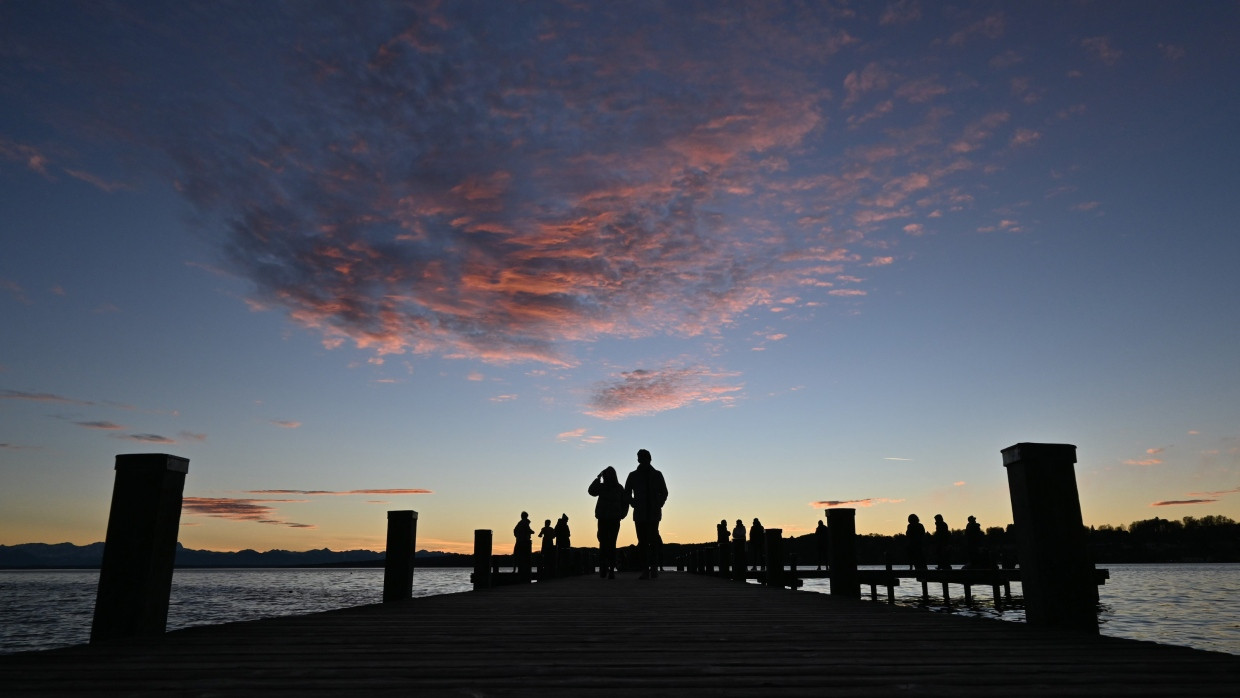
68, 555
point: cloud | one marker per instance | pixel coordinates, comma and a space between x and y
1144, 461
1100, 47
867, 502
646, 392
285, 423
40, 397
146, 438
255, 510
192, 436
895, 458
452, 182
1220, 493
109, 426
959, 483
507, 397
342, 492
1175, 502
14, 288
580, 435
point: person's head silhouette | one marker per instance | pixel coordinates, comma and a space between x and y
912, 518
643, 457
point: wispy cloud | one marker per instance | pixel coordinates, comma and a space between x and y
1176, 502
1143, 461
256, 510
867, 502
580, 435
105, 425
146, 438
285, 423
41, 397
646, 392
343, 492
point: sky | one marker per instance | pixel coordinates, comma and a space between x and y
458, 257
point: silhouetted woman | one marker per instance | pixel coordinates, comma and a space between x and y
757, 544
548, 548
942, 543
915, 534
610, 510
524, 534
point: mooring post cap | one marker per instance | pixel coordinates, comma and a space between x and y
1038, 452
152, 461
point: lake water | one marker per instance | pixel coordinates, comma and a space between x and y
1192, 605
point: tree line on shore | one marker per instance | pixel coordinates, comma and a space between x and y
1191, 539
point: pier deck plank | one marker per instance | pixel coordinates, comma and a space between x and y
680, 634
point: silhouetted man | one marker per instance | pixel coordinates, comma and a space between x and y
647, 490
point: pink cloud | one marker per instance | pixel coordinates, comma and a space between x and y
1176, 502
40, 397
255, 510
1146, 461
340, 493
146, 438
646, 392
867, 502
580, 435
285, 423
104, 425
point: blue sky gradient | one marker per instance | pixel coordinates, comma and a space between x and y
460, 257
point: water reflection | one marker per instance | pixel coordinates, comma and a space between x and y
1176, 604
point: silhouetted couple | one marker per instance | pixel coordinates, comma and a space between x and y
646, 491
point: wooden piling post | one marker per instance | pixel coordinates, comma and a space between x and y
774, 557
842, 552
1056, 572
482, 559
402, 538
135, 577
739, 569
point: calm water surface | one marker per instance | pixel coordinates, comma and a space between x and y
1192, 605
41, 609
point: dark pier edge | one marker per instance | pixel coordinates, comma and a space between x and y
402, 537
1057, 574
135, 577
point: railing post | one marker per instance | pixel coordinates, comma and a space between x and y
402, 539
774, 557
135, 577
842, 553
523, 560
482, 559
1056, 572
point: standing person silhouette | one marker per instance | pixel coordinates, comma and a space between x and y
942, 543
524, 534
973, 538
822, 544
647, 490
915, 534
757, 544
610, 510
546, 567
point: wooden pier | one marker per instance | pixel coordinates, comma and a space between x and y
680, 634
